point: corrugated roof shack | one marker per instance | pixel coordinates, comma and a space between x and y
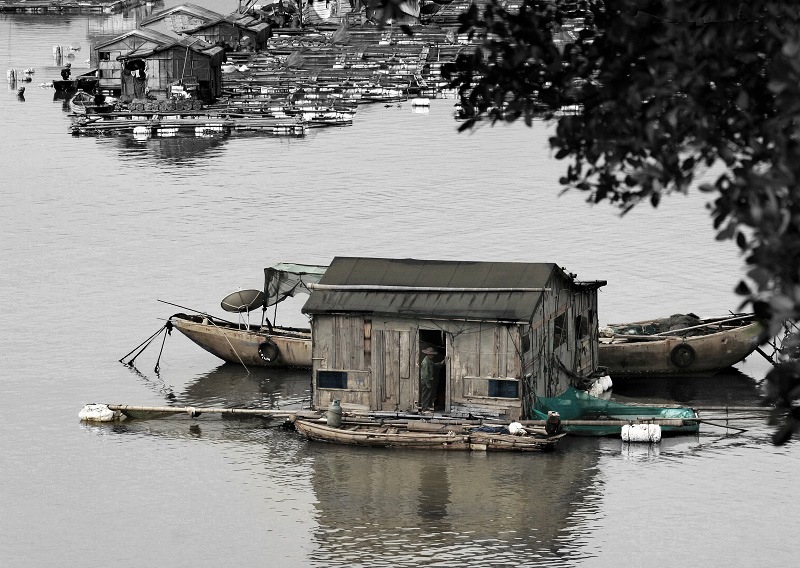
187, 60
511, 332
235, 32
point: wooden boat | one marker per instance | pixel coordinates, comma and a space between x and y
250, 345
83, 103
679, 345
263, 344
418, 435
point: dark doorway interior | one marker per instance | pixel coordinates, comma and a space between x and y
435, 338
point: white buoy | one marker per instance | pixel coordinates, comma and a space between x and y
97, 413
650, 433
141, 130
420, 101
516, 429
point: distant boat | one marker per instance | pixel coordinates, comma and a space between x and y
419, 435
257, 345
678, 345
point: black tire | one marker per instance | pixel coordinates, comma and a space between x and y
682, 355
269, 352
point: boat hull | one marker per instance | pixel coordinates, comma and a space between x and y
252, 346
398, 437
680, 356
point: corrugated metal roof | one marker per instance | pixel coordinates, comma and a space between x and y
493, 304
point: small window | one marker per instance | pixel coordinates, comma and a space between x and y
560, 330
500, 388
526, 342
332, 379
104, 56
581, 327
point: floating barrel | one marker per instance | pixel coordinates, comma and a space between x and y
97, 413
650, 433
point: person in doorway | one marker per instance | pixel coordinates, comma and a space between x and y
99, 97
428, 371
66, 71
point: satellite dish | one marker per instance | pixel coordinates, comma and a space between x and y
243, 301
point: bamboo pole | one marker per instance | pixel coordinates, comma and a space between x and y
197, 410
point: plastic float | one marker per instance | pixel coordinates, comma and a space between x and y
649, 433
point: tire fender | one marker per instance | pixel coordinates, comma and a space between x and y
682, 355
269, 352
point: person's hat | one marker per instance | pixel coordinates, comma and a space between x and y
430, 351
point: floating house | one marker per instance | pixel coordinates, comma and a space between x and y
109, 52
189, 62
510, 332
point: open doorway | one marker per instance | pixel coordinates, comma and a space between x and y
433, 340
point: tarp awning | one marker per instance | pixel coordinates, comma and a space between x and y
287, 279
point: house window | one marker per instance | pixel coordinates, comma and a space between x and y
332, 379
581, 327
560, 330
104, 56
500, 388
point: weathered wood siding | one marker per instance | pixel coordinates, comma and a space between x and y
387, 354
554, 365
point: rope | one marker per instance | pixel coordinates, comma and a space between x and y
168, 327
143, 345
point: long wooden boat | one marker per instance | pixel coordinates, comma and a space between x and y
250, 345
679, 345
449, 437
256, 345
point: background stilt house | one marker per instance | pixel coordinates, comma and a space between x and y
188, 61
176, 20
234, 31
512, 331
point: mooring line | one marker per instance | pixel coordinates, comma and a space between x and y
143, 345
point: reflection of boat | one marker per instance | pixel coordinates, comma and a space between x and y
233, 386
424, 436
263, 345
83, 103
679, 345
584, 414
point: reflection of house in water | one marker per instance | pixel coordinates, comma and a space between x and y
511, 331
376, 505
183, 149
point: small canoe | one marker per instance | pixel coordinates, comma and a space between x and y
582, 414
83, 103
679, 345
449, 437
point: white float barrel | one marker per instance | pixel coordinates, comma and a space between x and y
649, 433
97, 413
